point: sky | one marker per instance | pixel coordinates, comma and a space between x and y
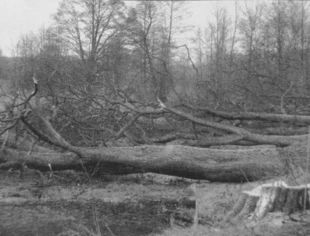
19, 17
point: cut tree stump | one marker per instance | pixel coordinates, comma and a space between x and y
274, 197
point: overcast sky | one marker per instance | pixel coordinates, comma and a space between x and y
18, 17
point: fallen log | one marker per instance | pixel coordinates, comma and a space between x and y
230, 139
183, 161
176, 160
252, 115
247, 135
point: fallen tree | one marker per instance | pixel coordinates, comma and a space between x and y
190, 162
184, 161
246, 135
177, 160
252, 115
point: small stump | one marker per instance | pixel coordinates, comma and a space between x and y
275, 197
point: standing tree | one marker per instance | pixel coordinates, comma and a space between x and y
88, 26
171, 28
219, 40
249, 26
152, 28
142, 28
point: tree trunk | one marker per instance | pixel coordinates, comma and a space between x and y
252, 115
190, 162
247, 135
183, 161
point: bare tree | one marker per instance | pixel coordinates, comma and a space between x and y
88, 26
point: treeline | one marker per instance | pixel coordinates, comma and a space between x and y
98, 54
258, 58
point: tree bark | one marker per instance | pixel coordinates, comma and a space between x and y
252, 115
183, 161
247, 136
189, 162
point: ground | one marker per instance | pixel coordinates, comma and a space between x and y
70, 203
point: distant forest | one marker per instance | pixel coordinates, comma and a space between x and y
101, 58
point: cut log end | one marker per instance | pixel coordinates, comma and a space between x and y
275, 197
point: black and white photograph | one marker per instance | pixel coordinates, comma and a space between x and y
154, 118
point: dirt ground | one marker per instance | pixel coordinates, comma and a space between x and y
69, 203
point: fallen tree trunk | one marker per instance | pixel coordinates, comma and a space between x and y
252, 115
230, 139
247, 136
281, 131
190, 162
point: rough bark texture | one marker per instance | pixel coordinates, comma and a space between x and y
254, 205
190, 162
245, 134
251, 115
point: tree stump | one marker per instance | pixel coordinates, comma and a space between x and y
274, 197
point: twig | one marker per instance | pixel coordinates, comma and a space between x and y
119, 133
195, 225
307, 167
97, 224
283, 96
190, 59
5, 140
36, 88
9, 127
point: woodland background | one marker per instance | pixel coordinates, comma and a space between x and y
98, 54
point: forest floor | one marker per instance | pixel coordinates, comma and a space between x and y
144, 204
